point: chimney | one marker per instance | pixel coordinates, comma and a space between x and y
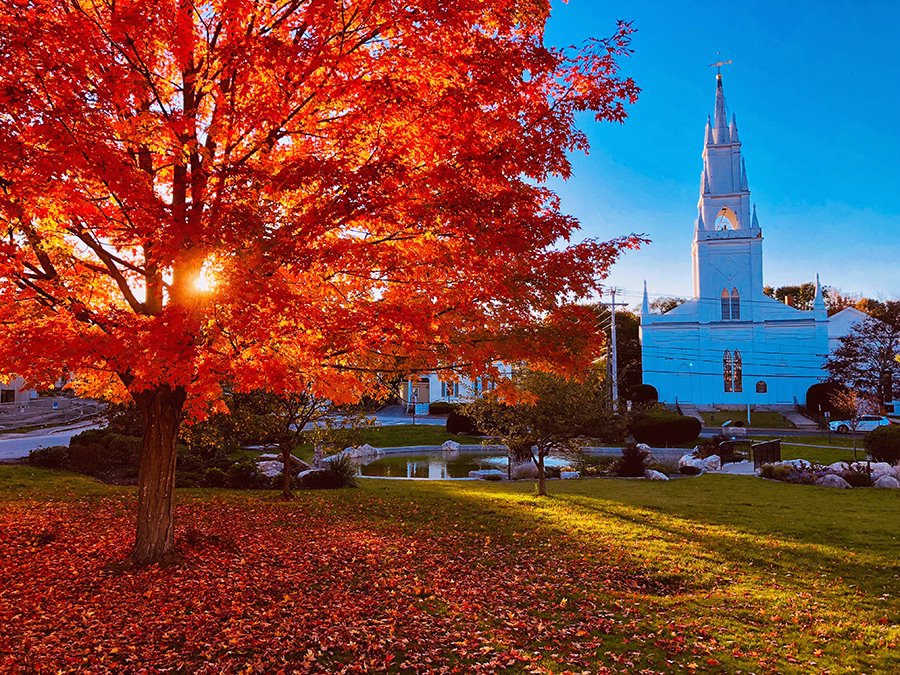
789, 300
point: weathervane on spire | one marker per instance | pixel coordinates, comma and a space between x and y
719, 63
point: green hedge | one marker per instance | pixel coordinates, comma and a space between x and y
442, 408
643, 393
883, 444
665, 428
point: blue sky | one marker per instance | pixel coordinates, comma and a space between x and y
816, 90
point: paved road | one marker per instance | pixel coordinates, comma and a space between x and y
14, 446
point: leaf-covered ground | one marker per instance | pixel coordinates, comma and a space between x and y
715, 573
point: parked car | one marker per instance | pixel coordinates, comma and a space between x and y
863, 423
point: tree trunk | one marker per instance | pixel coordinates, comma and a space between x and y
155, 540
286, 470
542, 481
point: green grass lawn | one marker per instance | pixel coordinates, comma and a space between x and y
717, 573
761, 420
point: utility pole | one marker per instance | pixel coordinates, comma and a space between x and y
613, 359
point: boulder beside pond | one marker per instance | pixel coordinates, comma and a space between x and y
450, 446
364, 450
569, 475
651, 474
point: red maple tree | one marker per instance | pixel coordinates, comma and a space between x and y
291, 194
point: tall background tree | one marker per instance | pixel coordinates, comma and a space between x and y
271, 194
866, 362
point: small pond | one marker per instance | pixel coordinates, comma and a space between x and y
437, 465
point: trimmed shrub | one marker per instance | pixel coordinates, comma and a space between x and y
323, 479
457, 423
884, 444
820, 399
214, 477
89, 458
633, 462
665, 428
857, 478
442, 408
643, 393
53, 457
689, 470
775, 471
244, 475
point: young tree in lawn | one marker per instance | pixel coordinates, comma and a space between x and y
854, 404
866, 360
544, 413
267, 194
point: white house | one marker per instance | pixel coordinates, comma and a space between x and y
430, 388
731, 343
840, 325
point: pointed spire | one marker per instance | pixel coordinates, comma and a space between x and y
734, 131
755, 222
720, 128
700, 224
706, 189
709, 135
645, 303
819, 300
745, 187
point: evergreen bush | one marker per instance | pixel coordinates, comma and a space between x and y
665, 428
883, 444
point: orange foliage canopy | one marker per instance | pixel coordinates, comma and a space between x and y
359, 182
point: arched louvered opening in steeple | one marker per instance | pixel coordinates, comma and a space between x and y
726, 219
726, 305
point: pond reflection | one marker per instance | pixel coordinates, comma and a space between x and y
438, 465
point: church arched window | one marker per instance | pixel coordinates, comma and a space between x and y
735, 305
727, 370
738, 372
726, 305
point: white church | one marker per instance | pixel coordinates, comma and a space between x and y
731, 344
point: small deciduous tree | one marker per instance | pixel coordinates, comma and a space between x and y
198, 192
539, 413
280, 419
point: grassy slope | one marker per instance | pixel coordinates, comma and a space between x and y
761, 420
761, 575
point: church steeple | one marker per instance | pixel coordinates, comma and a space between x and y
721, 132
727, 247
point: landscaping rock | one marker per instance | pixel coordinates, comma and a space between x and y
487, 474
646, 448
364, 450
832, 481
839, 467
878, 469
688, 459
450, 446
712, 463
569, 475
269, 468
524, 470
651, 474
887, 482
796, 463
294, 460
